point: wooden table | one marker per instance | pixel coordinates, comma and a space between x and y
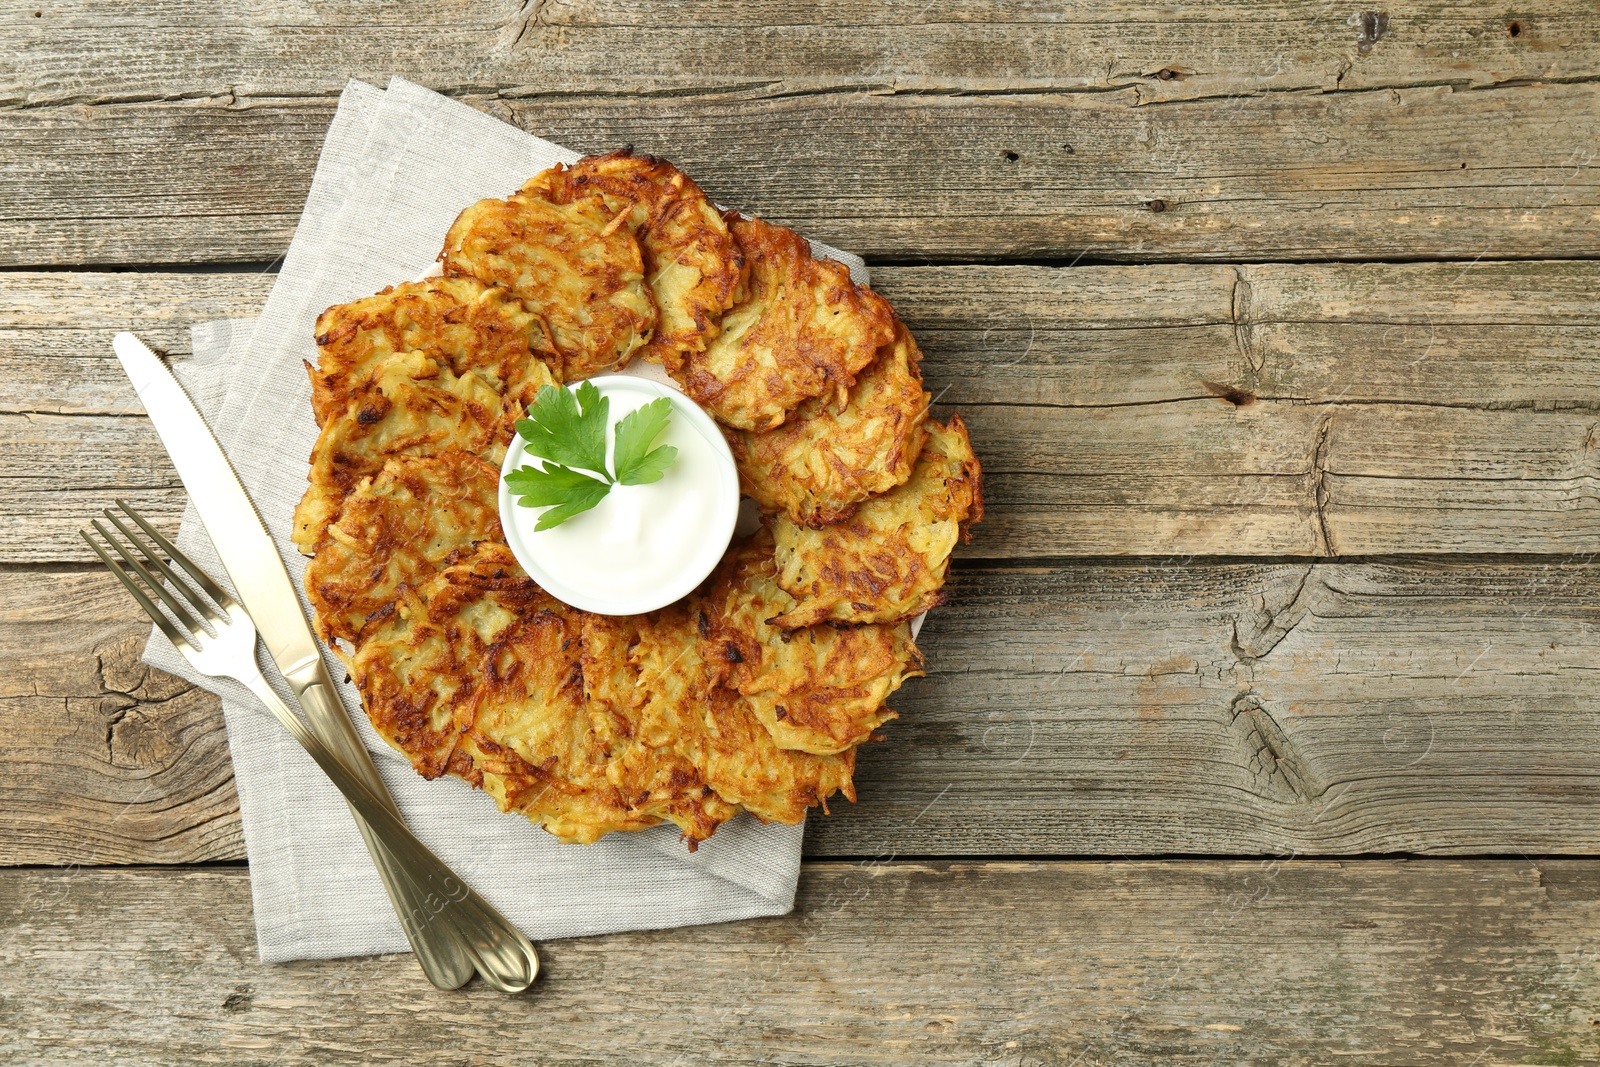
1264, 723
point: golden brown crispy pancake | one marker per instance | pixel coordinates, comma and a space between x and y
680, 709
804, 329
828, 457
749, 695
887, 561
399, 527
461, 322
478, 672
420, 665
819, 689
411, 405
694, 268
569, 264
649, 772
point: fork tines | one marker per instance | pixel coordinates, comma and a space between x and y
177, 595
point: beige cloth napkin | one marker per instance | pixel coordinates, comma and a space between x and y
397, 167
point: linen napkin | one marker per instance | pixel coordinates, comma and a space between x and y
396, 168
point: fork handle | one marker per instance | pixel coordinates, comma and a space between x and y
502, 953
442, 954
469, 934
497, 949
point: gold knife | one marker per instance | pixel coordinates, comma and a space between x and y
448, 955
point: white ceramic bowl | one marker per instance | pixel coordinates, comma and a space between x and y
713, 532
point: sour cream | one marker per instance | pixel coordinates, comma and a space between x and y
643, 546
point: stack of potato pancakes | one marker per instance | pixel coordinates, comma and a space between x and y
751, 693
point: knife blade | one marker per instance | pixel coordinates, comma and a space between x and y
246, 549
262, 583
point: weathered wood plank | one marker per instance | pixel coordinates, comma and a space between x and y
1191, 477
1284, 963
1377, 408
1118, 709
937, 176
78, 52
56, 330
135, 760
1487, 334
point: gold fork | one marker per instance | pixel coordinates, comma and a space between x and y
227, 648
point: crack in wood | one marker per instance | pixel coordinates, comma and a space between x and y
526, 17
1276, 768
229, 96
136, 732
1319, 485
1254, 638
112, 722
1243, 328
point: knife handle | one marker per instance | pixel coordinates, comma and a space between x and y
438, 901
472, 934
443, 956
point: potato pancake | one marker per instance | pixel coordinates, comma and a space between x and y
569, 265
887, 561
750, 694
411, 405
819, 689
804, 329
694, 267
460, 322
828, 457
681, 709
420, 664
650, 773
478, 673
399, 527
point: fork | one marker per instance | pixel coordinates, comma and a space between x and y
225, 646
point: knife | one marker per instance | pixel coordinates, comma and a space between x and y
447, 953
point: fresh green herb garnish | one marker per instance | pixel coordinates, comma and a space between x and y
568, 432
638, 463
565, 491
568, 428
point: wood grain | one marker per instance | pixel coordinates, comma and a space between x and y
1101, 708
1259, 409
1281, 963
1198, 411
133, 760
78, 52
1381, 173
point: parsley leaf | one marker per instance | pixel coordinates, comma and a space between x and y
564, 491
637, 463
568, 428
